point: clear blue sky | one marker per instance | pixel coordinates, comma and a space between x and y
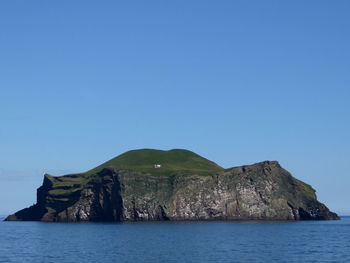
235, 81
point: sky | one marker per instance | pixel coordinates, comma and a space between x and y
237, 82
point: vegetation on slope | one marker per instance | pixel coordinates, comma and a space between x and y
172, 161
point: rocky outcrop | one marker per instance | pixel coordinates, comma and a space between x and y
262, 191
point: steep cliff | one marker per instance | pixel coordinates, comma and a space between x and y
185, 187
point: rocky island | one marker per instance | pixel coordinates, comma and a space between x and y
151, 185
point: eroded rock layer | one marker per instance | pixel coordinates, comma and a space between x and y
262, 191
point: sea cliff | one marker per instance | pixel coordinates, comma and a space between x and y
185, 186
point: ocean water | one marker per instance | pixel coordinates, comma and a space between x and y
185, 242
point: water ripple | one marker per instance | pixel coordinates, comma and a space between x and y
176, 242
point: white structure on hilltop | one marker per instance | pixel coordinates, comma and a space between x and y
157, 166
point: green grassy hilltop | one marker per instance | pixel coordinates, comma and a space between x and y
172, 161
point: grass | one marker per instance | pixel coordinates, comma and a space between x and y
172, 161
306, 188
64, 192
66, 185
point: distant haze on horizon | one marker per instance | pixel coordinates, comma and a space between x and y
237, 82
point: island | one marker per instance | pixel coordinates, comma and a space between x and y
156, 185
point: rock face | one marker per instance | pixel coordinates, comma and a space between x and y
262, 191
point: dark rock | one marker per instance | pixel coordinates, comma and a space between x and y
262, 191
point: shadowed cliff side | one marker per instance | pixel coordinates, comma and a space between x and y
131, 189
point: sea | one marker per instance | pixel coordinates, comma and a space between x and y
180, 242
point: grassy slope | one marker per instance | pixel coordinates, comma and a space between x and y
173, 161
